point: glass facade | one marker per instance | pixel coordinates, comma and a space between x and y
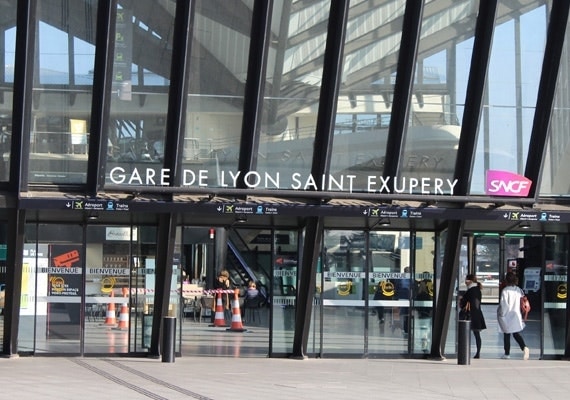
102, 239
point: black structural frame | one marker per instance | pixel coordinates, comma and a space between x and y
23, 78
465, 156
254, 87
175, 124
332, 69
253, 110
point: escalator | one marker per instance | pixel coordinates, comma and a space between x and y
241, 273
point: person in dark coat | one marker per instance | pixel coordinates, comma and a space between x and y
473, 297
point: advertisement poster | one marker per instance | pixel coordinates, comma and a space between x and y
64, 290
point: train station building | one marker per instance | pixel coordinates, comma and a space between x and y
353, 159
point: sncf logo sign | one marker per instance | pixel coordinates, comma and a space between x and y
503, 183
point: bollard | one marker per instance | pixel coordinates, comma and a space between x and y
464, 343
168, 338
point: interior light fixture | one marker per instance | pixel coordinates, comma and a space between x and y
241, 218
524, 225
92, 216
384, 222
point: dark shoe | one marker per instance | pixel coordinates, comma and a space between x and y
476, 356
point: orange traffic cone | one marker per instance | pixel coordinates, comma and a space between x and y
219, 319
236, 325
110, 318
124, 312
124, 317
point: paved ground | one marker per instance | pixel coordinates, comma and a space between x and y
262, 378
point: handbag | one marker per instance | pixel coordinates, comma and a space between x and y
465, 312
525, 307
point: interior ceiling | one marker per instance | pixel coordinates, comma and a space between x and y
153, 27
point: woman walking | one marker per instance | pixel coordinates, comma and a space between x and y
473, 298
509, 315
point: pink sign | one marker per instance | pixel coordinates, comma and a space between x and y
504, 183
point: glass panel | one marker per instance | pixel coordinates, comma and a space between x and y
555, 294
440, 83
512, 85
141, 77
32, 307
8, 49
364, 103
176, 299
451, 337
53, 273
422, 313
218, 63
285, 278
198, 250
294, 73
246, 257
142, 284
3, 248
389, 290
529, 269
108, 297
62, 92
342, 292
487, 261
554, 179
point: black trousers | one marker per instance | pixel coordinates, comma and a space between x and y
507, 341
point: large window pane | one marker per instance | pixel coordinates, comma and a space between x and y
364, 103
439, 89
62, 92
218, 67
141, 75
294, 71
554, 180
512, 86
8, 33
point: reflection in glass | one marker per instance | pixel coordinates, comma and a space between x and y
512, 86
554, 178
364, 102
8, 48
215, 104
141, 74
292, 91
555, 295
438, 90
62, 92
52, 289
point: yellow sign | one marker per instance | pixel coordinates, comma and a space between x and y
344, 288
562, 291
57, 284
107, 284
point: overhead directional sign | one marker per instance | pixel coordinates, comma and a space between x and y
297, 209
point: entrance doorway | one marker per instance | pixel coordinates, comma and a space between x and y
87, 289
540, 262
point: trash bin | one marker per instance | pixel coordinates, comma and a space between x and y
168, 338
464, 343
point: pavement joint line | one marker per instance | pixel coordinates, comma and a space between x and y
156, 380
119, 381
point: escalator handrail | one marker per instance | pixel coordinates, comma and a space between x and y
241, 261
